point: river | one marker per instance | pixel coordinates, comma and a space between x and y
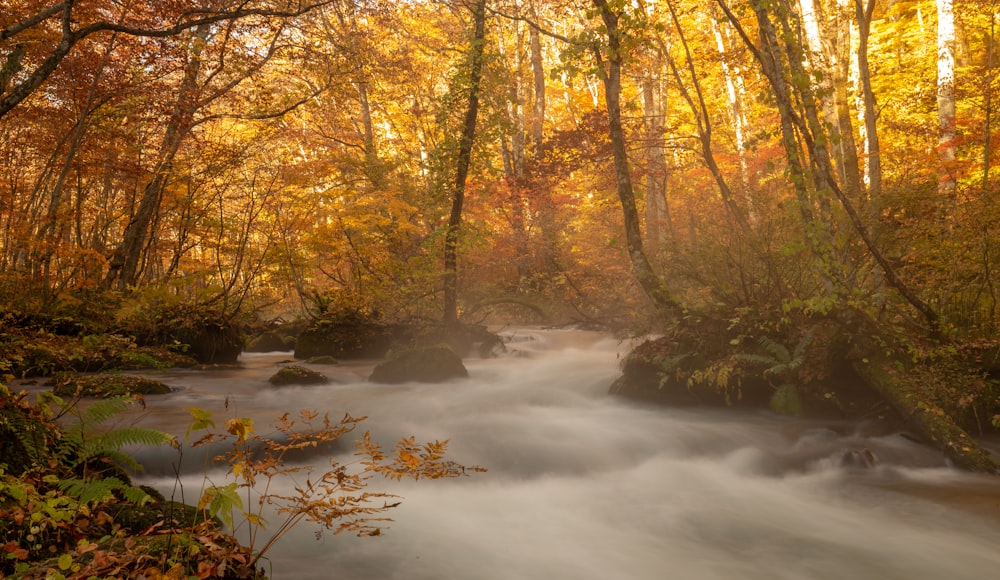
585, 486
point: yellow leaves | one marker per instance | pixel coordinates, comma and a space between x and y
240, 427
411, 460
333, 498
200, 419
65, 561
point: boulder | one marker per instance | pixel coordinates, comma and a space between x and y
105, 385
296, 375
464, 339
271, 341
345, 340
432, 364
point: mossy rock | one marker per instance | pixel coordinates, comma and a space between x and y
345, 340
323, 360
271, 341
432, 364
464, 339
145, 358
204, 333
136, 519
42, 360
105, 385
297, 375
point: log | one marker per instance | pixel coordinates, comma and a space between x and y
905, 390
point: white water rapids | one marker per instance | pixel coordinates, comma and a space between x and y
585, 486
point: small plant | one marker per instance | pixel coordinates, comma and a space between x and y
783, 365
85, 438
333, 497
60, 496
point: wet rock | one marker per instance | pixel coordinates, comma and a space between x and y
296, 375
464, 339
432, 364
105, 385
345, 340
271, 341
322, 360
863, 458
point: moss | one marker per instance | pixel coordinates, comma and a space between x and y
909, 392
296, 375
271, 341
428, 365
137, 519
105, 385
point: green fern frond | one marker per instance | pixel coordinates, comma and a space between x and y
119, 438
777, 350
91, 491
786, 400
29, 433
136, 495
100, 411
671, 363
756, 359
122, 459
800, 348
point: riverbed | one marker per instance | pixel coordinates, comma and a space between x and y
581, 485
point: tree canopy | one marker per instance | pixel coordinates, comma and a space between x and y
627, 159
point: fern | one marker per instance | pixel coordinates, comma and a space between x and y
99, 412
783, 364
29, 433
91, 491
117, 439
777, 350
670, 366
81, 443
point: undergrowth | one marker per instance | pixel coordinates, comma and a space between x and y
69, 510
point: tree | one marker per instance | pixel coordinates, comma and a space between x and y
609, 65
462, 162
774, 58
946, 96
76, 23
864, 14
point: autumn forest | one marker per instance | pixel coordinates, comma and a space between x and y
788, 204
581, 160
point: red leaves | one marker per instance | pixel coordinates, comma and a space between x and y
14, 550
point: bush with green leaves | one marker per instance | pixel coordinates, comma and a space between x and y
59, 492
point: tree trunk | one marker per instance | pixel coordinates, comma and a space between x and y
650, 282
810, 131
840, 22
946, 96
654, 112
514, 157
373, 169
988, 106
123, 267
538, 78
914, 389
736, 116
864, 15
462, 167
820, 61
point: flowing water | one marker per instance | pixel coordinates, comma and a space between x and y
584, 486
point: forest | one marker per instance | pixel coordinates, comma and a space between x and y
778, 188
598, 161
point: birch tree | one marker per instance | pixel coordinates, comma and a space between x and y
946, 95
